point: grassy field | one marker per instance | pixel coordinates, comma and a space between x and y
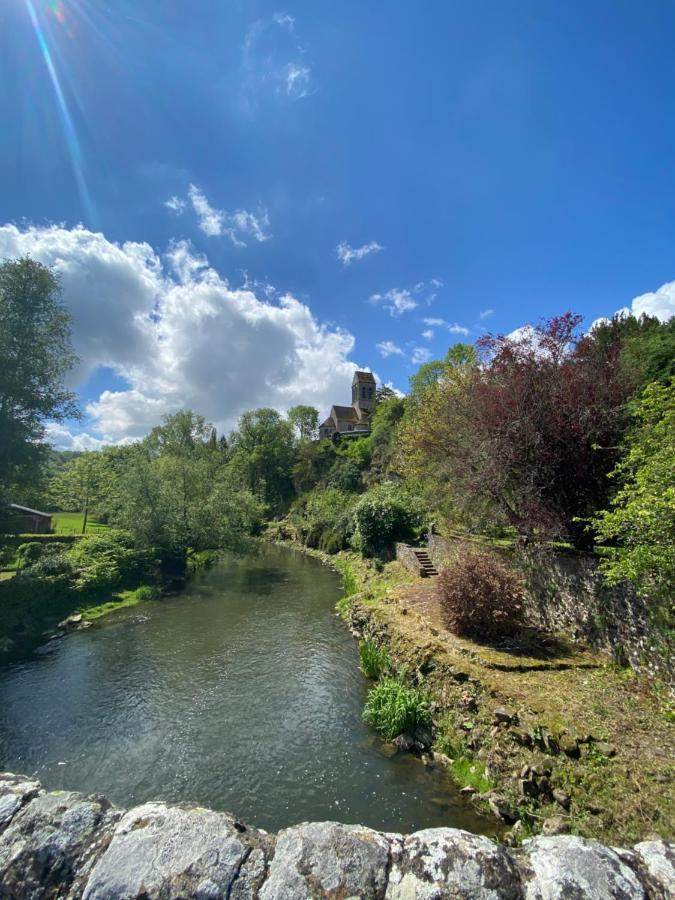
71, 523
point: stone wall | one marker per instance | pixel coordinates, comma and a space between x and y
566, 593
405, 555
67, 845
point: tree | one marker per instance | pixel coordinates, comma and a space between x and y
528, 437
263, 454
639, 525
305, 421
35, 356
81, 485
384, 392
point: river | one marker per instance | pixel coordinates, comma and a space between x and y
241, 693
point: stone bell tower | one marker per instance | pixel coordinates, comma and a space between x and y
363, 394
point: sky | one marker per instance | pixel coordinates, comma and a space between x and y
247, 200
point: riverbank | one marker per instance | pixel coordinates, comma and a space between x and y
548, 737
38, 610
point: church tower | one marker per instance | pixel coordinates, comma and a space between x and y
363, 394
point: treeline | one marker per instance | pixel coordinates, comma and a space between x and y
550, 434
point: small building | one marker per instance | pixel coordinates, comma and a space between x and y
354, 419
24, 520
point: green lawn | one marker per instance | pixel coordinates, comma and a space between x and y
71, 523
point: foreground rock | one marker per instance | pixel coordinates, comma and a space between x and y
66, 845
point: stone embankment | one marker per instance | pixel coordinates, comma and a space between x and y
67, 845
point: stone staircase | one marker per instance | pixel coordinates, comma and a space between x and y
427, 568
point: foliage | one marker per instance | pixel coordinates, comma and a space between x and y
107, 560
263, 453
304, 421
375, 661
345, 475
35, 356
640, 523
323, 519
383, 439
175, 492
480, 596
393, 708
313, 461
84, 483
528, 437
387, 513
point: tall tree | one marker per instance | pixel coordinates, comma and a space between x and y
263, 454
35, 356
305, 421
82, 485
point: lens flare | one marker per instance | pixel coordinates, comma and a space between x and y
57, 9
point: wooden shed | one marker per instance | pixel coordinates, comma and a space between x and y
24, 520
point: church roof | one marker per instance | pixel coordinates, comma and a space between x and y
345, 412
363, 376
328, 423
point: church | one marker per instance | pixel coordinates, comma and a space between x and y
354, 419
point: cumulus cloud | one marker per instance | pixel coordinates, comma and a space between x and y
216, 222
452, 327
180, 335
63, 439
428, 335
659, 303
347, 254
389, 348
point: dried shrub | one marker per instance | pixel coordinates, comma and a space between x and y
480, 596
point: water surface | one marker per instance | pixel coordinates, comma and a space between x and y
242, 693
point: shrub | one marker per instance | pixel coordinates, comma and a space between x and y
392, 708
374, 660
386, 514
148, 592
28, 554
106, 560
480, 596
324, 519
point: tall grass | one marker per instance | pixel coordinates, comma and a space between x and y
375, 660
392, 708
349, 583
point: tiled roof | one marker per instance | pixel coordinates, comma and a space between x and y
27, 509
364, 376
345, 412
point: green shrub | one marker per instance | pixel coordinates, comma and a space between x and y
29, 553
106, 560
387, 513
323, 519
480, 596
349, 583
392, 708
375, 660
345, 475
147, 592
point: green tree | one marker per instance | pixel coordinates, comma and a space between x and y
263, 456
639, 526
304, 421
35, 356
81, 485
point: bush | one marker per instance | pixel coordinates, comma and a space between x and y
323, 519
386, 514
392, 708
480, 596
374, 660
107, 560
148, 592
28, 554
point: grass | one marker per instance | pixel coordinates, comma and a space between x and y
393, 708
123, 600
71, 523
5, 576
375, 660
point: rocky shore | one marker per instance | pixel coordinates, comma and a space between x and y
68, 845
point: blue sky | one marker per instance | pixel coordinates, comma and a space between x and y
482, 165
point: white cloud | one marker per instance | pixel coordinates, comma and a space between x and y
389, 348
181, 336
397, 301
273, 59
659, 303
420, 355
63, 439
452, 327
215, 222
428, 334
176, 205
297, 78
400, 300
347, 254
485, 314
